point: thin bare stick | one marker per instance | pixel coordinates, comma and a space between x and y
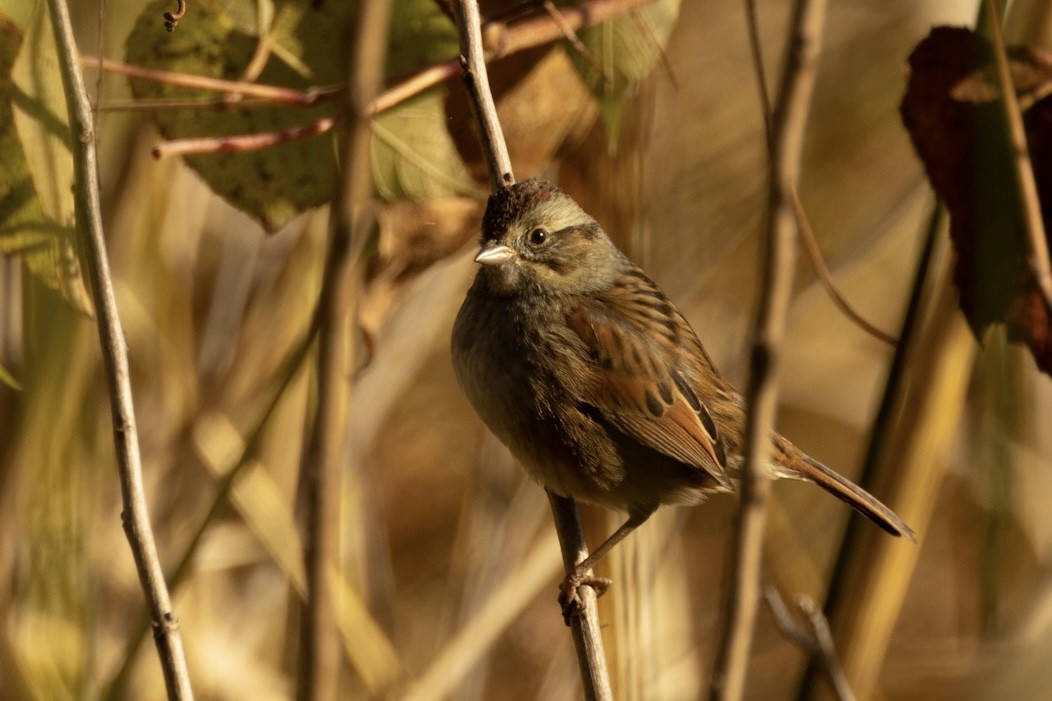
542, 30
273, 93
584, 626
476, 80
825, 277
323, 458
571, 36
807, 234
414, 85
587, 637
244, 142
789, 123
818, 641
135, 517
752, 24
1030, 203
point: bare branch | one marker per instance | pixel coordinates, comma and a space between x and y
476, 79
818, 264
136, 518
273, 93
818, 641
244, 142
788, 126
1030, 203
322, 464
588, 640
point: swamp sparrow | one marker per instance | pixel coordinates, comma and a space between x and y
579, 364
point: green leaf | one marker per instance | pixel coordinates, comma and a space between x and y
414, 156
421, 35
36, 170
626, 48
18, 12
274, 184
40, 118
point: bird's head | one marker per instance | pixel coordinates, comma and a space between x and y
536, 239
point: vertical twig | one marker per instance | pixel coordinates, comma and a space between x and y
587, 638
135, 517
585, 627
1029, 202
788, 124
476, 79
319, 662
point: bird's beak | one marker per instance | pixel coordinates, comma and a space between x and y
494, 254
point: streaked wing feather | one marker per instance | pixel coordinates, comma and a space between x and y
637, 386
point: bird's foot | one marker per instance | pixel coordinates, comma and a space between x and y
570, 598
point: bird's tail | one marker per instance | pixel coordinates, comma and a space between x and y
807, 468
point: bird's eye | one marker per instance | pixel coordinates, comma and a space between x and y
538, 236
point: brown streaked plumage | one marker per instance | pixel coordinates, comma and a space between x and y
577, 361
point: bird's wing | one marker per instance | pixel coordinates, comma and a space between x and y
634, 336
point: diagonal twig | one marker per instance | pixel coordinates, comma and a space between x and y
817, 641
1030, 203
807, 234
135, 517
789, 121
825, 277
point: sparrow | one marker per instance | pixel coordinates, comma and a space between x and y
579, 363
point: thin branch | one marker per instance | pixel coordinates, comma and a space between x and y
1030, 203
319, 661
508, 39
135, 516
789, 123
587, 637
289, 369
240, 143
476, 80
273, 93
542, 29
807, 234
571, 36
588, 640
818, 641
414, 85
825, 277
752, 25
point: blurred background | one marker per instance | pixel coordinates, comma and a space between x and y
450, 563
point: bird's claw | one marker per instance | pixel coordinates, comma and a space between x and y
570, 598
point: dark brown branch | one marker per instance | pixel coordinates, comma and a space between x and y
788, 125
135, 517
